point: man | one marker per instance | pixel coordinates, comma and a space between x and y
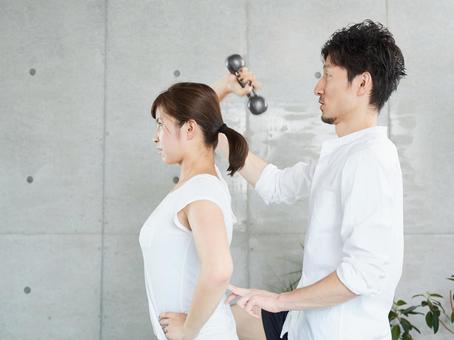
353, 250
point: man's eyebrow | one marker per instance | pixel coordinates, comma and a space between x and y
325, 66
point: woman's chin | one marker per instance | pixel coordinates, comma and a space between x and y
167, 161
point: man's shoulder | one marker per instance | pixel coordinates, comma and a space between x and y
380, 149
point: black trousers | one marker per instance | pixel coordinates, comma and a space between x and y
273, 323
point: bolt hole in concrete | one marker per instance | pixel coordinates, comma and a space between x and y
30, 179
32, 71
177, 73
317, 75
27, 290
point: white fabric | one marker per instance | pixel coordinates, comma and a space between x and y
171, 264
355, 229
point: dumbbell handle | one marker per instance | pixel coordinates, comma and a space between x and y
243, 85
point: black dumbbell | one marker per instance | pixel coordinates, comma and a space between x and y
256, 104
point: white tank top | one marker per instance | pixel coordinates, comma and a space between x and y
171, 264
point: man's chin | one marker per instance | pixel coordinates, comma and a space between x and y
328, 120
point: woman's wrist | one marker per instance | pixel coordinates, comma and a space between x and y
189, 333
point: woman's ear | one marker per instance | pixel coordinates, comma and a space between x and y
190, 127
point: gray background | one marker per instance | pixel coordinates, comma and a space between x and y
79, 174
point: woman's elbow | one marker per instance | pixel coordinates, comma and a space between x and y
219, 275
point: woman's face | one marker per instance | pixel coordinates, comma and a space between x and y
168, 138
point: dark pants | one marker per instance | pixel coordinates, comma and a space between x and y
273, 323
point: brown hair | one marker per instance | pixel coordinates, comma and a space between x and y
185, 101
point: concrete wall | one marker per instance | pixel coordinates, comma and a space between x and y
79, 175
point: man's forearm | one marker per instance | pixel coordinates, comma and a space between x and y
327, 292
253, 168
220, 87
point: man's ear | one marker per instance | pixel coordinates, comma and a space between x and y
364, 83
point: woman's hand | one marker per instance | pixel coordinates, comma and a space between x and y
173, 325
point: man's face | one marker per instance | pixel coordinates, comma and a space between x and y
337, 95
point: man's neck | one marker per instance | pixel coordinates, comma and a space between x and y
356, 123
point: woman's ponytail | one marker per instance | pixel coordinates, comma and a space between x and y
238, 149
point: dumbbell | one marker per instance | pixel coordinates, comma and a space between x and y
256, 104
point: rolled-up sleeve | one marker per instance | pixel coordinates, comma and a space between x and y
367, 225
285, 185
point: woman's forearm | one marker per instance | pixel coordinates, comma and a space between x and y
208, 293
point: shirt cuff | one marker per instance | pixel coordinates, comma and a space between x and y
264, 185
348, 275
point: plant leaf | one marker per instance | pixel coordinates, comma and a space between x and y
418, 295
436, 323
429, 319
407, 326
408, 310
392, 315
400, 303
395, 332
436, 295
407, 336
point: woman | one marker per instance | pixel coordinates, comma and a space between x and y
185, 242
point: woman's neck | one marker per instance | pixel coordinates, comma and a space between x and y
197, 163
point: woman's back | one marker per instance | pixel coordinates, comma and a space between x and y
171, 264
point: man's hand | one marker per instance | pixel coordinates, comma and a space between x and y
253, 300
173, 325
228, 84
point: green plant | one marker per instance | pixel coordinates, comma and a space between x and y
432, 306
436, 314
398, 320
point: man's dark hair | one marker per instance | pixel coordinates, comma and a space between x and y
368, 46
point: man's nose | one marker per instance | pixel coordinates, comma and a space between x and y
318, 89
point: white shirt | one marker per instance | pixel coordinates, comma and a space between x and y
355, 229
171, 263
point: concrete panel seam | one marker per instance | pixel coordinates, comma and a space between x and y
101, 290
